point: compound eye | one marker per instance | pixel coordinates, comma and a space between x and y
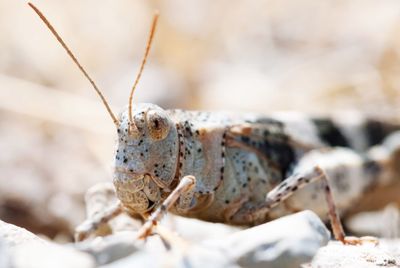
158, 125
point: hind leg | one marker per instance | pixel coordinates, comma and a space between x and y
294, 183
321, 177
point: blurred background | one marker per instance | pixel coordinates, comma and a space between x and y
56, 139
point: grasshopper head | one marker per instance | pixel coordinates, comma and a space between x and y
146, 157
147, 148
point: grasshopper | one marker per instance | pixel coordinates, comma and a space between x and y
240, 169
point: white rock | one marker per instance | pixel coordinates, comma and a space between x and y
5, 261
25, 250
197, 230
190, 256
48, 255
287, 242
110, 248
336, 255
14, 236
382, 223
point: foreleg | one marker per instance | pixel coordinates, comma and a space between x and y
185, 186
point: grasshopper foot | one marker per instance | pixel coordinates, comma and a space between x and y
355, 241
98, 224
146, 230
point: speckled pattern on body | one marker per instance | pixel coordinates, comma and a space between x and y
238, 159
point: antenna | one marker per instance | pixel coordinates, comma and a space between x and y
61, 41
146, 53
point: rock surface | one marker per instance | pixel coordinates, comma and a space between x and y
274, 244
278, 244
335, 255
299, 240
22, 249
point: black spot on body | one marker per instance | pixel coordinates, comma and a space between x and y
371, 168
274, 145
245, 139
281, 153
376, 131
330, 133
283, 184
340, 179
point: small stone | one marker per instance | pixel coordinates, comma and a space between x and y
5, 259
287, 242
197, 230
110, 248
26, 250
336, 255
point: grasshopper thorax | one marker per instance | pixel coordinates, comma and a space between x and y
146, 157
